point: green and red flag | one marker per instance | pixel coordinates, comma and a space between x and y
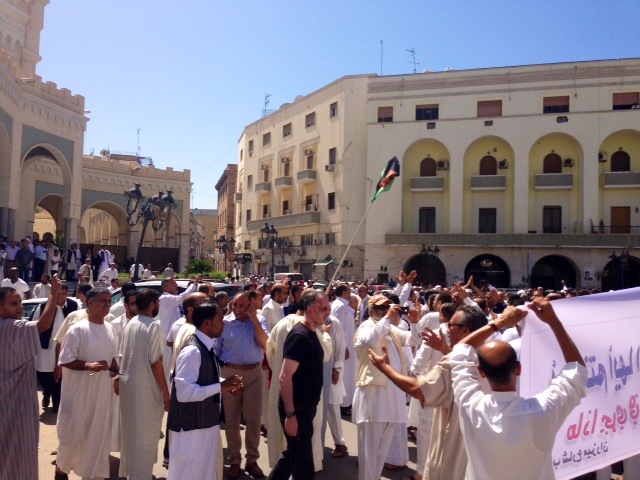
391, 171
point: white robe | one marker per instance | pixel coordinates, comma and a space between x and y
340, 309
275, 435
86, 407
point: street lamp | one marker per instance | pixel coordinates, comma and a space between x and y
270, 239
156, 209
622, 263
224, 246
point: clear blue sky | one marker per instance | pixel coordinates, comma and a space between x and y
193, 73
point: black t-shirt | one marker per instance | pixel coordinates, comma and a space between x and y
303, 346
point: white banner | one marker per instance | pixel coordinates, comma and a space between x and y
604, 427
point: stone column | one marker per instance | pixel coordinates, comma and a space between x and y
11, 223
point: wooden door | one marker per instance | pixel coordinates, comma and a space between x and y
620, 219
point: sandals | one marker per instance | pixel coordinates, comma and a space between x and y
340, 451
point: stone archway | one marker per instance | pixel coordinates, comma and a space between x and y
549, 271
48, 216
491, 268
431, 270
617, 275
45, 172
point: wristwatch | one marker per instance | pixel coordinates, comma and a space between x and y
493, 325
290, 414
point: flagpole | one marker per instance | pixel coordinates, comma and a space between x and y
348, 247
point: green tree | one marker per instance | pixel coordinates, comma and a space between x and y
198, 267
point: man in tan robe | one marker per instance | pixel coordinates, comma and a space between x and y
447, 458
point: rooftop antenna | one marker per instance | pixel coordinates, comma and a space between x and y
415, 62
381, 52
138, 149
266, 111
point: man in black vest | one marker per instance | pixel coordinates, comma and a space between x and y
46, 359
194, 407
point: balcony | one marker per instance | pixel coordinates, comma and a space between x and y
427, 184
264, 187
622, 180
283, 221
307, 176
616, 229
489, 182
282, 182
237, 197
554, 181
524, 240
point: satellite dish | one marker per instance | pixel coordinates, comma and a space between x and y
104, 152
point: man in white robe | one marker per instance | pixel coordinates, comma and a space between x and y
340, 310
273, 311
192, 446
335, 392
169, 312
86, 407
275, 348
144, 395
378, 405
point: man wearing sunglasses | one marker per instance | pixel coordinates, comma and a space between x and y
377, 404
447, 459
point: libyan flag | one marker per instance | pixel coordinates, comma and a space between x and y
391, 171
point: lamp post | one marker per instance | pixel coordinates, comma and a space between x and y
156, 209
224, 246
427, 254
621, 263
270, 238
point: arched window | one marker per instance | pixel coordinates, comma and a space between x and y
620, 162
488, 166
552, 163
428, 167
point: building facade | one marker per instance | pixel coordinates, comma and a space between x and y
520, 176
302, 170
208, 217
226, 188
42, 167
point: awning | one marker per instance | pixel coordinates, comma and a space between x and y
324, 263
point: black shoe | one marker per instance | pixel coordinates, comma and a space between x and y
45, 401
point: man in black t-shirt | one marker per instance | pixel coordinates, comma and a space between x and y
300, 388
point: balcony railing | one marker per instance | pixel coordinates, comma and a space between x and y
237, 197
488, 182
264, 187
306, 176
622, 179
427, 184
551, 181
282, 182
615, 229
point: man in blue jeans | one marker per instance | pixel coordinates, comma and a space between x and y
300, 389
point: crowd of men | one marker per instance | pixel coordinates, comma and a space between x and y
285, 361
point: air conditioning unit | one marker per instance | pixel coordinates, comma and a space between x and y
285, 160
312, 208
503, 164
329, 168
443, 165
264, 167
308, 151
568, 162
603, 157
346, 263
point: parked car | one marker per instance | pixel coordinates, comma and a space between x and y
30, 306
293, 276
183, 284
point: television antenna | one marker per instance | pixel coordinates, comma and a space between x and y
416, 63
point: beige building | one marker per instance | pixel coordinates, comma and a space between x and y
196, 238
42, 166
226, 187
208, 217
520, 175
302, 169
